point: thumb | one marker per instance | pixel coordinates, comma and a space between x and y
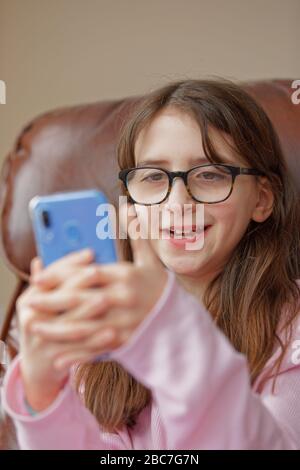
142, 250
36, 266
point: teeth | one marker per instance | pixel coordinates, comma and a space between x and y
185, 233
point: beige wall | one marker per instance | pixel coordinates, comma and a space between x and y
59, 52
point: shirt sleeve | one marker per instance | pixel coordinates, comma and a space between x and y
201, 384
65, 424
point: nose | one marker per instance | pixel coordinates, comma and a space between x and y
179, 193
180, 205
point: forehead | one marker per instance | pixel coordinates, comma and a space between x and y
170, 122
174, 136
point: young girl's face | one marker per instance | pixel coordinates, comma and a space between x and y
173, 141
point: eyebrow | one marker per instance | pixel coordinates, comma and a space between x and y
163, 162
195, 161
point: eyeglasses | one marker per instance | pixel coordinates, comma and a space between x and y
208, 184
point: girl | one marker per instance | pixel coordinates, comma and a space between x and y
200, 347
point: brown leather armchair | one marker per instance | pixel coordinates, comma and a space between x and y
74, 148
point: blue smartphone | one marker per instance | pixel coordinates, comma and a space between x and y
71, 221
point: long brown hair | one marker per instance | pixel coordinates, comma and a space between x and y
247, 298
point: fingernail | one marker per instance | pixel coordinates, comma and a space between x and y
87, 252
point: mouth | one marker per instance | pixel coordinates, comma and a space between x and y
185, 233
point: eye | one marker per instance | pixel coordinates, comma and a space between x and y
208, 175
153, 177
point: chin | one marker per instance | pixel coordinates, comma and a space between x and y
186, 263
187, 267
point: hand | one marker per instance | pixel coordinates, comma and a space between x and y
103, 304
41, 380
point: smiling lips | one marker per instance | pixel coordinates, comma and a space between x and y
188, 233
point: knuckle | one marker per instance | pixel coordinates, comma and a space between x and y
126, 271
117, 339
129, 297
98, 341
98, 300
50, 352
39, 342
19, 303
126, 319
60, 263
93, 271
76, 334
24, 297
25, 323
124, 336
71, 296
24, 317
59, 270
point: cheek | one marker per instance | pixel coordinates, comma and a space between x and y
143, 214
231, 219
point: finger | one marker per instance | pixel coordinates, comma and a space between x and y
102, 307
76, 257
96, 348
82, 356
89, 335
102, 302
95, 306
143, 252
57, 301
98, 275
70, 332
57, 272
36, 266
92, 276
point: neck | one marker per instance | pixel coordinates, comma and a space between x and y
195, 285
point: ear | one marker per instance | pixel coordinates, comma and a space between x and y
265, 200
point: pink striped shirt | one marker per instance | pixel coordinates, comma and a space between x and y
202, 397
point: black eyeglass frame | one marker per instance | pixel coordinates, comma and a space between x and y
234, 170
